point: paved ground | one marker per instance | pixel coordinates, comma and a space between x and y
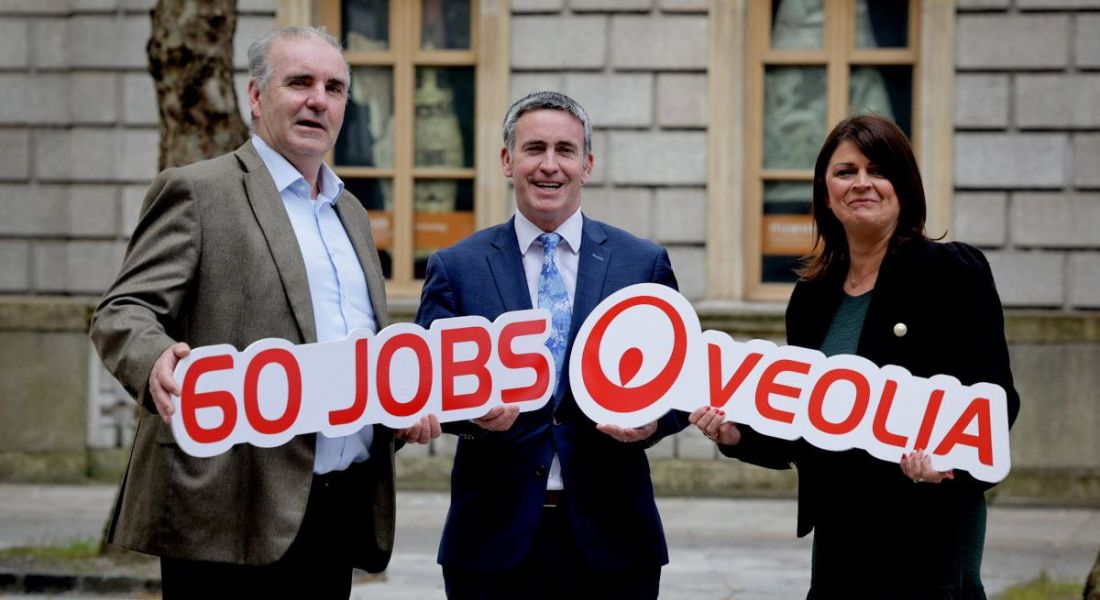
721, 548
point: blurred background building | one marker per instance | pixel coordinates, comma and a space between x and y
708, 115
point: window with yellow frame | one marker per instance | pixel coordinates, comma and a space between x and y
407, 148
810, 64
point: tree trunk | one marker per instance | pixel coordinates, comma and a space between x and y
191, 61
1092, 584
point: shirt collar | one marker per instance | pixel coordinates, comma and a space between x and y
570, 231
285, 174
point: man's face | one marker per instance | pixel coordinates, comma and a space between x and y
300, 111
547, 166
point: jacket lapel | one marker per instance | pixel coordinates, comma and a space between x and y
506, 265
595, 257
591, 273
358, 230
271, 215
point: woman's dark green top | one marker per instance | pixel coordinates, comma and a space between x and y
876, 533
843, 334
832, 541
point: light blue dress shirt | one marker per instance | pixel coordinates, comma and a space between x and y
337, 285
567, 257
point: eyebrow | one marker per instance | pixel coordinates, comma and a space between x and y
541, 142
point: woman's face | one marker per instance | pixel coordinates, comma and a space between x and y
862, 199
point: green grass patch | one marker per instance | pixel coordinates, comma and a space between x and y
1044, 588
75, 549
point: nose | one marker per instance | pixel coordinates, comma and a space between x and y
549, 162
862, 180
317, 100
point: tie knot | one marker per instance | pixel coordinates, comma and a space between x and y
549, 241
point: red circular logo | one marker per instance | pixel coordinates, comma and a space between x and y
619, 398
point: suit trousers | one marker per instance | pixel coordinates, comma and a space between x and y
554, 569
318, 563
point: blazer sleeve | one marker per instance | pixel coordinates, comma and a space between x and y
139, 316
982, 327
761, 450
980, 348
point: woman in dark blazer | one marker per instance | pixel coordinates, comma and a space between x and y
877, 287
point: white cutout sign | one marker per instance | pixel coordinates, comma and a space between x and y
274, 390
638, 355
642, 353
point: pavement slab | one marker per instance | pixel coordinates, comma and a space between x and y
720, 548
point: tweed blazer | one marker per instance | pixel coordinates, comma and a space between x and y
214, 260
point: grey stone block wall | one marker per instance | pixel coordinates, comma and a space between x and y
78, 146
1027, 147
78, 136
639, 69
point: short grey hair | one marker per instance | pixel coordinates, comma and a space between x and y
259, 52
545, 101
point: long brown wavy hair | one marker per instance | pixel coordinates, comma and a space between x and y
885, 145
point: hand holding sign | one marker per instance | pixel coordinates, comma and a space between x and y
162, 382
836, 403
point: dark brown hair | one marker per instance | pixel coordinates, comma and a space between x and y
884, 144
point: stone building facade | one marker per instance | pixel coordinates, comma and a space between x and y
1019, 171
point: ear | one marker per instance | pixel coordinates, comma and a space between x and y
589, 162
253, 98
506, 162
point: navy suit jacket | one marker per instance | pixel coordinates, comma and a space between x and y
498, 482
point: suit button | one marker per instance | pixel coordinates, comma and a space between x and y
540, 471
901, 329
555, 420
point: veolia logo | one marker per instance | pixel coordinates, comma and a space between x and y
631, 353
626, 397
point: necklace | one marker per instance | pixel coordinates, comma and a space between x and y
853, 282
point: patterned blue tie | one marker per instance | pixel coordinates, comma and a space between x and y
553, 297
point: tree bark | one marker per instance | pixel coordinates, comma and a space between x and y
191, 61
1092, 583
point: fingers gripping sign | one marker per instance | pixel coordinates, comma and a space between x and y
162, 385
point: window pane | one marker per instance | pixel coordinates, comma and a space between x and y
444, 216
444, 135
365, 25
887, 91
445, 25
787, 229
797, 23
882, 23
794, 116
376, 195
367, 137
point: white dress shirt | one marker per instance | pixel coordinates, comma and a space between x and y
567, 256
337, 286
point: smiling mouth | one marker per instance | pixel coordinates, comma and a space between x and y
549, 186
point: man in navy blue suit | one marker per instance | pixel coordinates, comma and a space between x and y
548, 504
